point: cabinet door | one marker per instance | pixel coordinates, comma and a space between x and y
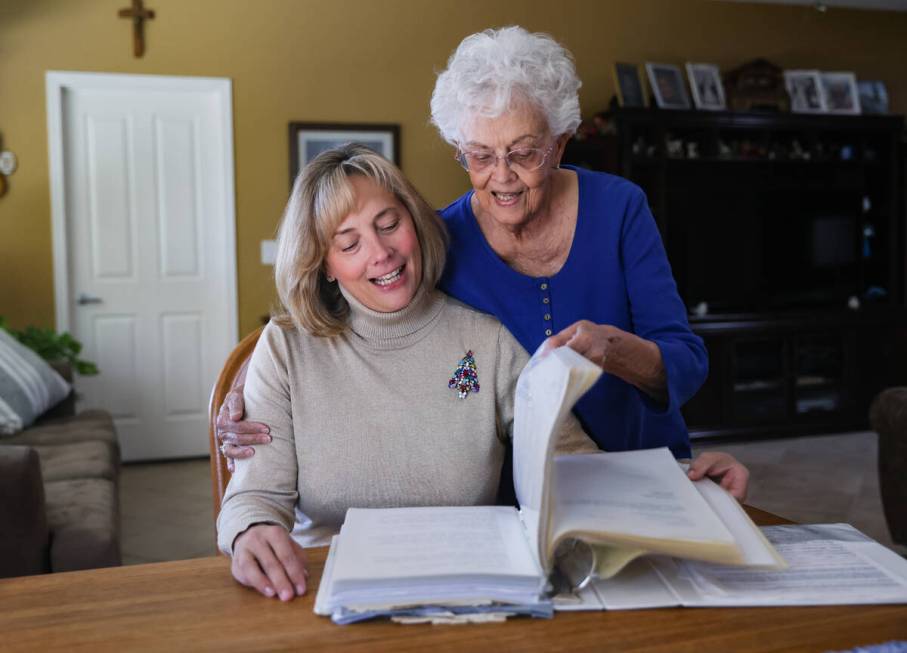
706, 409
818, 375
759, 380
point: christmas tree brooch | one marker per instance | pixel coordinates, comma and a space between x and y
465, 379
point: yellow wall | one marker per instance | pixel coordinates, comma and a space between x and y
361, 61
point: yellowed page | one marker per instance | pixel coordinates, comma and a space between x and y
637, 499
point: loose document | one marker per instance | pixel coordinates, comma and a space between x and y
829, 564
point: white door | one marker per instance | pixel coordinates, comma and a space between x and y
142, 190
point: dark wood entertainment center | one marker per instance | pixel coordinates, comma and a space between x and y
786, 235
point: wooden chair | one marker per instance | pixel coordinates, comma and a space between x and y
220, 475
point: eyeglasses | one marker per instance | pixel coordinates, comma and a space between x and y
527, 159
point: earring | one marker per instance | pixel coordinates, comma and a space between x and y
330, 278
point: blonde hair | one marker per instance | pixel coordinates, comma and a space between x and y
321, 198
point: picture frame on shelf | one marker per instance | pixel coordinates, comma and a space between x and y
840, 91
805, 90
629, 85
668, 86
873, 96
308, 139
706, 86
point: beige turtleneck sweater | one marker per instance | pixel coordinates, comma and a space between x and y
366, 419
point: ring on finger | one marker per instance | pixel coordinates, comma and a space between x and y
223, 449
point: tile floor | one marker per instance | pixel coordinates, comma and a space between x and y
816, 479
167, 510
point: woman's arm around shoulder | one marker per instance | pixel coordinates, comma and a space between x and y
234, 433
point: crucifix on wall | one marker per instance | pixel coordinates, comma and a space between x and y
139, 15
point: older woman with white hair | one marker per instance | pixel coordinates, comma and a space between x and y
560, 253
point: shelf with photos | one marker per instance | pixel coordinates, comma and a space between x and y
754, 112
782, 228
757, 85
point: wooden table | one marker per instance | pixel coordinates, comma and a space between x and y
196, 605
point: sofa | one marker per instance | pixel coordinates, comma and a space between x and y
59, 493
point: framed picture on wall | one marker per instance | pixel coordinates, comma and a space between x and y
805, 90
629, 86
873, 96
705, 82
840, 90
667, 85
309, 139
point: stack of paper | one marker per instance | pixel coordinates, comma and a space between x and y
431, 561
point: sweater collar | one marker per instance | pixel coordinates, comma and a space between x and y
397, 328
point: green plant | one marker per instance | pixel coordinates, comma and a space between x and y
53, 346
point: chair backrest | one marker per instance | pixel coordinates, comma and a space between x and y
888, 417
220, 475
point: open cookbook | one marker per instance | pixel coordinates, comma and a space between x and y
593, 513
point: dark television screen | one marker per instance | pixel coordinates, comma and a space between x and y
833, 242
752, 256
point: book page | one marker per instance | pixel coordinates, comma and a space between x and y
638, 586
829, 564
326, 585
549, 385
395, 543
755, 549
639, 499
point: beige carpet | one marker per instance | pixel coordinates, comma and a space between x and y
167, 511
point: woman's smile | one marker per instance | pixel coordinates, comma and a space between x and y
375, 253
506, 199
390, 280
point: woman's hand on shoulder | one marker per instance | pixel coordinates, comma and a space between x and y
267, 559
724, 469
233, 433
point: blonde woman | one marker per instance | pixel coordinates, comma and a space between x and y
378, 389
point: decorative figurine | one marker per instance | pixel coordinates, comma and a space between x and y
756, 85
674, 147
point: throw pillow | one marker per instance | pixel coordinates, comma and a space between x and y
28, 385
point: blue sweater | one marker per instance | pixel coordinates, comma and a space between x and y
617, 273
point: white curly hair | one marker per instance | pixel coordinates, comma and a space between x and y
491, 69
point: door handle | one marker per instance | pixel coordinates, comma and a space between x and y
84, 299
